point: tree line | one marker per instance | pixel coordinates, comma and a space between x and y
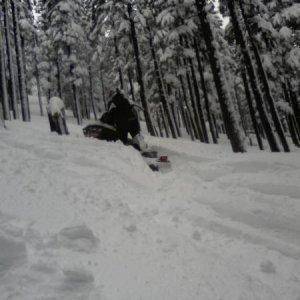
173, 58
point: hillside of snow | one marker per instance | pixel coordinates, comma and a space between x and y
87, 219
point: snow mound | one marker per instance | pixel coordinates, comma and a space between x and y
78, 276
12, 253
267, 267
218, 226
55, 106
78, 238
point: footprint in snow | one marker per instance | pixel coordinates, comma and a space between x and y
267, 267
12, 254
196, 235
78, 238
131, 228
77, 279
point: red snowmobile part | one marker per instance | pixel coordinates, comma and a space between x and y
163, 158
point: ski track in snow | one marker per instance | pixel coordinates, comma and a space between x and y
85, 219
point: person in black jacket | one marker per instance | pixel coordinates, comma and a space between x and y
126, 120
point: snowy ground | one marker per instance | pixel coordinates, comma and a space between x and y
84, 219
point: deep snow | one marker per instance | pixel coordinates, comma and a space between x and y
85, 219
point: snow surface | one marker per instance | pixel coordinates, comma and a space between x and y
85, 219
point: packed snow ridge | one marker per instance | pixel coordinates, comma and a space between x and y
87, 219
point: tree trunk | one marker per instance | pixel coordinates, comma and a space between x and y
252, 111
103, 90
58, 69
195, 111
25, 70
13, 92
20, 64
91, 91
74, 90
164, 121
292, 129
181, 110
139, 71
189, 124
172, 106
35, 58
253, 79
295, 104
205, 94
215, 125
291, 120
159, 125
86, 103
199, 105
160, 86
37, 76
296, 127
4, 95
231, 123
119, 67
193, 126
177, 111
131, 85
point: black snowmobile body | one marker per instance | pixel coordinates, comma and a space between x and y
101, 131
104, 131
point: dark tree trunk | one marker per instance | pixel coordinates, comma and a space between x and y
139, 71
131, 85
119, 67
37, 76
231, 123
198, 103
295, 104
74, 91
181, 110
292, 129
103, 90
86, 104
195, 111
178, 117
252, 111
13, 92
25, 70
164, 121
58, 69
189, 124
77, 104
215, 125
4, 95
91, 91
291, 120
205, 94
159, 125
160, 86
172, 105
20, 64
253, 79
193, 125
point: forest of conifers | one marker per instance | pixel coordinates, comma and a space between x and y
176, 59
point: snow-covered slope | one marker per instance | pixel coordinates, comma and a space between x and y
84, 219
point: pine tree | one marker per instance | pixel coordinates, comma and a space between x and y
232, 127
20, 62
12, 86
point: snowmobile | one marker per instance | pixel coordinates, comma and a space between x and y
103, 129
